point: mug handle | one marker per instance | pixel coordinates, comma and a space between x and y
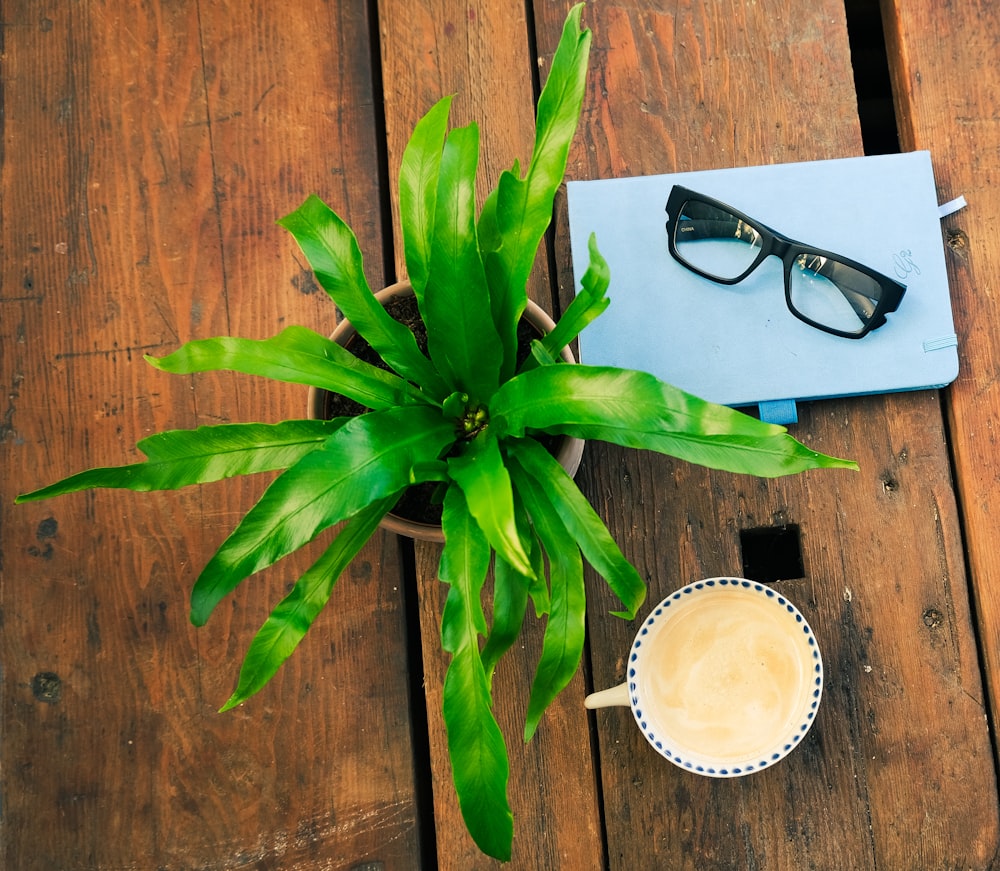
606, 698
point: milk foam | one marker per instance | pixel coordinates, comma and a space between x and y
726, 675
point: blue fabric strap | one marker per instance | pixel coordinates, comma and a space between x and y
780, 411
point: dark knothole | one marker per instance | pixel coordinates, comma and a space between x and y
772, 553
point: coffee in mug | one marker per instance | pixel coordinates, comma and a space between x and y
724, 677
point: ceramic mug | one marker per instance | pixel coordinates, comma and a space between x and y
724, 677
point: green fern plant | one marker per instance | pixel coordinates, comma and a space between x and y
464, 415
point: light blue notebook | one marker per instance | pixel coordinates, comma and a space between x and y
739, 345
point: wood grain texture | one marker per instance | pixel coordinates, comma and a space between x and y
901, 734
947, 89
147, 151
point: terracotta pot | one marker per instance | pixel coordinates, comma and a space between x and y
569, 451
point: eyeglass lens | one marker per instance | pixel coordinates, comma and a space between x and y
820, 288
832, 293
715, 241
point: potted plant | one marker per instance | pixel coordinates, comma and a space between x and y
417, 516
464, 416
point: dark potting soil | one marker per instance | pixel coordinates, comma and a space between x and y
420, 502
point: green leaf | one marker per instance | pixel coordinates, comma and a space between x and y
335, 257
178, 458
461, 337
511, 591
539, 356
589, 304
528, 458
565, 629
455, 405
298, 356
510, 603
418, 184
294, 615
465, 560
480, 472
636, 410
371, 457
515, 220
479, 763
487, 229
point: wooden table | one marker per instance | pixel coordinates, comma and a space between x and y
147, 149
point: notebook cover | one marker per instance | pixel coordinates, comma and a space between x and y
739, 345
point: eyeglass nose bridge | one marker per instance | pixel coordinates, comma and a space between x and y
780, 246
785, 250
774, 244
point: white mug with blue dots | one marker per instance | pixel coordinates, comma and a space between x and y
724, 677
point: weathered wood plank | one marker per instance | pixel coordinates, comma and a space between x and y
481, 55
898, 771
552, 788
147, 151
481, 52
947, 89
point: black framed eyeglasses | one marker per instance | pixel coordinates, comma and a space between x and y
826, 290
